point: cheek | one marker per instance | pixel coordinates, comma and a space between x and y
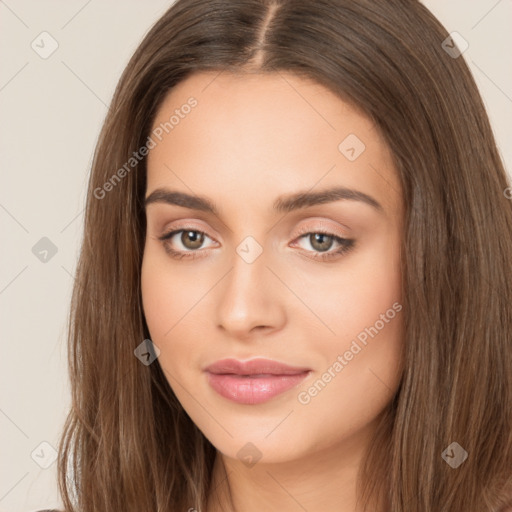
362, 361
157, 297
174, 305
167, 294
361, 374
357, 293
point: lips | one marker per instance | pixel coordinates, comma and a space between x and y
253, 367
254, 381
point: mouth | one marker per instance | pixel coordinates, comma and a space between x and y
255, 381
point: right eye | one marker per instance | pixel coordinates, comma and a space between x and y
190, 240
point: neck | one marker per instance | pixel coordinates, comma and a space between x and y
323, 481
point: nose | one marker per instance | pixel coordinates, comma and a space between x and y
250, 299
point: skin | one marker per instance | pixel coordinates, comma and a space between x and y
250, 139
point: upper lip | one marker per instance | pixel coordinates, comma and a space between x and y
253, 367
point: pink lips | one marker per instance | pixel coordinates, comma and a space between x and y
254, 381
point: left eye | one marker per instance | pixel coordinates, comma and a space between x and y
322, 242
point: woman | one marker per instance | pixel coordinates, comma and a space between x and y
292, 291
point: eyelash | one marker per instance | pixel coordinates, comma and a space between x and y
347, 244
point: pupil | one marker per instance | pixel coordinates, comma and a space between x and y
195, 239
321, 237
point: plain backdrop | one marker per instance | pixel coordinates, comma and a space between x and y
52, 110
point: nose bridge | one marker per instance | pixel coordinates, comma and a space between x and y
248, 298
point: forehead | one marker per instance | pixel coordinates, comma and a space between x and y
264, 135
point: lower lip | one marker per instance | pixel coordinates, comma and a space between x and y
253, 390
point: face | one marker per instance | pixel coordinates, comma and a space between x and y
299, 289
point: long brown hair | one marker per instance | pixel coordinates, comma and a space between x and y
128, 445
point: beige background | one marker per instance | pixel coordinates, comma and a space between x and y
52, 110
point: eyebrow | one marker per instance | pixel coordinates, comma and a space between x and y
283, 204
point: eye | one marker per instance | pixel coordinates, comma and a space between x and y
190, 240
322, 241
